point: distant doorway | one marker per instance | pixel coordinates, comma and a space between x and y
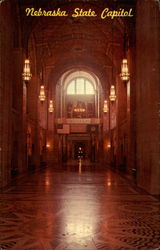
80, 150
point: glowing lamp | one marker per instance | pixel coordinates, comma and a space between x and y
124, 70
51, 108
42, 95
79, 110
112, 96
105, 106
26, 71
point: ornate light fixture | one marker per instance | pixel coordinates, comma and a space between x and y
26, 71
51, 108
105, 106
124, 70
124, 66
79, 110
42, 95
112, 96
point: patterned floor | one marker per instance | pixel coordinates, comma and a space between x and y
79, 208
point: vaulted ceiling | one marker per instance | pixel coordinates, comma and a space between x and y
62, 43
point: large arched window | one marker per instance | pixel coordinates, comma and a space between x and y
80, 86
79, 95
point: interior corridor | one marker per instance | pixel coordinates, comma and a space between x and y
78, 209
79, 124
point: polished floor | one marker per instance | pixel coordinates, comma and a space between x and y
78, 208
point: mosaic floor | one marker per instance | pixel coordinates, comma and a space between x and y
77, 209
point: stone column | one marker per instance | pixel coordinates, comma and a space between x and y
148, 95
5, 92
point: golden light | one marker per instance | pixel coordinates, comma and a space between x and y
42, 95
109, 183
112, 96
124, 70
48, 145
79, 110
51, 108
26, 71
105, 106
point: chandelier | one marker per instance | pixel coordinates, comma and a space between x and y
51, 108
124, 70
26, 71
42, 95
112, 96
105, 106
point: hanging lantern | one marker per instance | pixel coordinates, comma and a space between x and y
124, 70
51, 108
42, 96
26, 71
112, 96
105, 106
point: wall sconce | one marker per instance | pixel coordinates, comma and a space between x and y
105, 106
112, 96
51, 108
42, 95
26, 75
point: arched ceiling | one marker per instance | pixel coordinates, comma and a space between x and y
66, 42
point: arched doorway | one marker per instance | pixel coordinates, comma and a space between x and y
78, 113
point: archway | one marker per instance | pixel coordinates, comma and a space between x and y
78, 114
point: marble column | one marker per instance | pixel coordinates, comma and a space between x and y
148, 95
